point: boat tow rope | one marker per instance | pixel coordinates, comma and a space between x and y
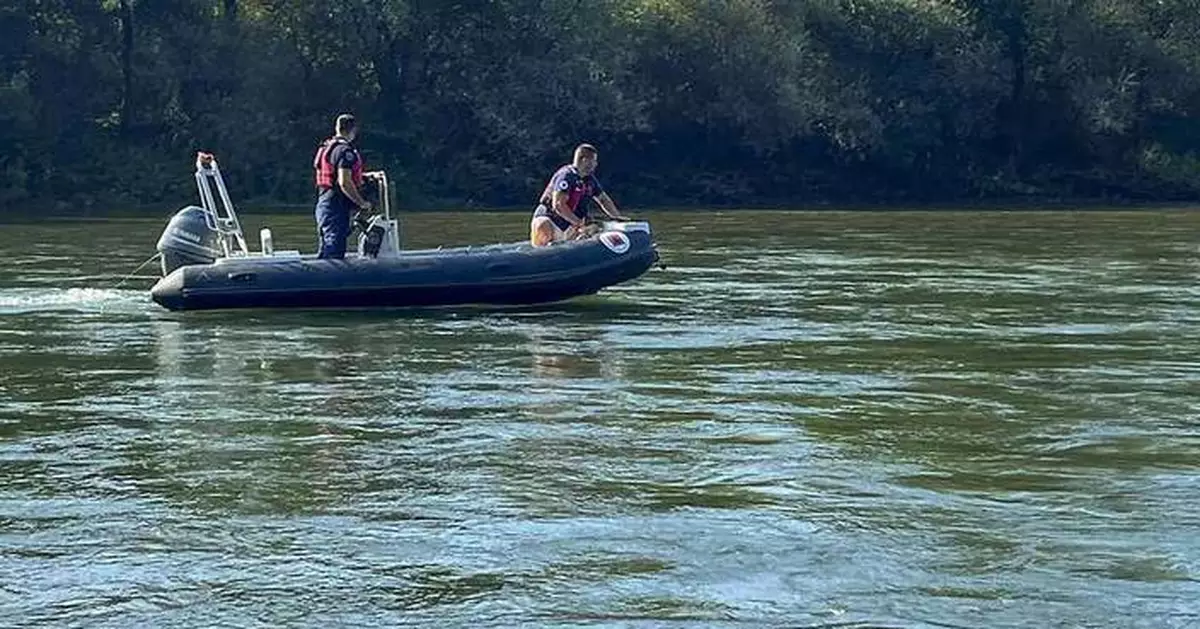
140, 266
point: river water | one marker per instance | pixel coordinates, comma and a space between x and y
808, 419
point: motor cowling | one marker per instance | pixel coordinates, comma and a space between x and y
187, 240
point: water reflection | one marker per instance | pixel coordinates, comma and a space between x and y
256, 417
858, 419
584, 350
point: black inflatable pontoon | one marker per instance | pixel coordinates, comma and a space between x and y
207, 265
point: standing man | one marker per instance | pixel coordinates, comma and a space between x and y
339, 175
559, 214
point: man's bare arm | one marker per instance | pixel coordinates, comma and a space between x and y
346, 183
610, 208
562, 209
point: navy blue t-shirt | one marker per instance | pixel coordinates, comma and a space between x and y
342, 155
577, 188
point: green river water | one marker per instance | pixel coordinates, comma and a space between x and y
808, 419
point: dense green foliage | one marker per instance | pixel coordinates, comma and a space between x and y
473, 102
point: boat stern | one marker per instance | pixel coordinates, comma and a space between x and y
168, 291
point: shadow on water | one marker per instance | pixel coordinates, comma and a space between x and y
590, 309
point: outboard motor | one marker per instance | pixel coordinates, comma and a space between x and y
188, 240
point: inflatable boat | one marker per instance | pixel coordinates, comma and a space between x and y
206, 263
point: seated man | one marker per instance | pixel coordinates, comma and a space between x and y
559, 214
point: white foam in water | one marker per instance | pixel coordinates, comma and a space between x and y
29, 300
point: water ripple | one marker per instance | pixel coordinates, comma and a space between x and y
810, 419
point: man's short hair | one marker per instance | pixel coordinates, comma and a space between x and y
586, 150
344, 124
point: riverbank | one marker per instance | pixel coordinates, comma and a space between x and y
31, 213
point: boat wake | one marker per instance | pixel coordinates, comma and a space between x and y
34, 300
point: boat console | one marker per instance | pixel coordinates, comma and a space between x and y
211, 232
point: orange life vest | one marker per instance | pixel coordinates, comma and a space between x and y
326, 174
